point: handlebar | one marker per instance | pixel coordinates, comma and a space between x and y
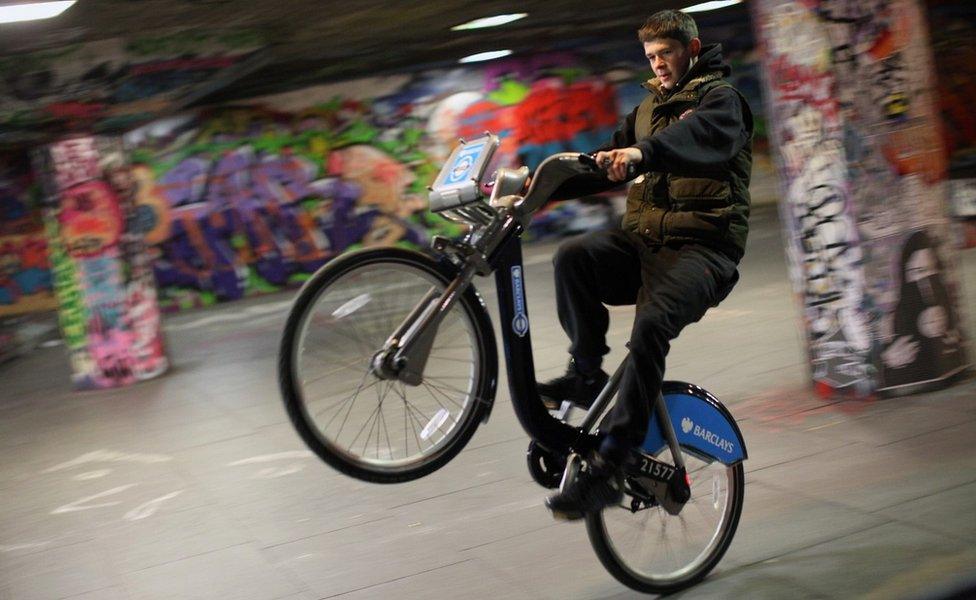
555, 171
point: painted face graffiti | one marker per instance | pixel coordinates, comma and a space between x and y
91, 221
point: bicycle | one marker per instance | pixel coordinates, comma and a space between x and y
408, 330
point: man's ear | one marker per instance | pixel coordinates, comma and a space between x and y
694, 47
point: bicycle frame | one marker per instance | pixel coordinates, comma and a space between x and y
543, 427
494, 246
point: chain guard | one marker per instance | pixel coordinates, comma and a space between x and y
545, 467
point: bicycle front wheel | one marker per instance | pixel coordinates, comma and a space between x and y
650, 550
375, 429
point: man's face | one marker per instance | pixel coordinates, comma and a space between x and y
670, 59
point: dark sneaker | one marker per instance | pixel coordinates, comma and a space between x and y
574, 386
599, 486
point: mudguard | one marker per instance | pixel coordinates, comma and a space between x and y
701, 423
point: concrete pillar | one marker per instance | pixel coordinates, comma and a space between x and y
102, 274
852, 120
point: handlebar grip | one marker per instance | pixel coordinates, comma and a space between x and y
590, 161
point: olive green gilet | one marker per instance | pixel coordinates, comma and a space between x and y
712, 209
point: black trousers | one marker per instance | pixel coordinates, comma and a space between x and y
671, 286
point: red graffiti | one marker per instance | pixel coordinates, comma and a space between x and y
552, 112
183, 64
792, 82
33, 253
76, 111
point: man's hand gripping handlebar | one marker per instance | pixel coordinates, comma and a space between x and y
620, 164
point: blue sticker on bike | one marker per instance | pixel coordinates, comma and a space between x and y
520, 323
700, 426
461, 169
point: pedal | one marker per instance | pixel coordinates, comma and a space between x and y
573, 464
564, 410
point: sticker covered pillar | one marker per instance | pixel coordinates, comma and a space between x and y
102, 274
855, 129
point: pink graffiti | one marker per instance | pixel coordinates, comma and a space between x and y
110, 351
75, 161
143, 320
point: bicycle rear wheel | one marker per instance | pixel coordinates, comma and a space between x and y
375, 429
651, 550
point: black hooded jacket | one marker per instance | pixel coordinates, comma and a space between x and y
696, 139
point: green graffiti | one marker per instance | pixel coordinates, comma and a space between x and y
570, 74
188, 301
257, 284
425, 171
238, 241
509, 92
72, 313
359, 133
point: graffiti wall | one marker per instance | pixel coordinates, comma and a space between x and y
107, 300
853, 115
25, 277
243, 200
248, 199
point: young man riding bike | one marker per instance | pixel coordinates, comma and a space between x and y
676, 254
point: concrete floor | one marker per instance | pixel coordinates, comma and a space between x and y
196, 486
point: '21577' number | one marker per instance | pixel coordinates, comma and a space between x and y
656, 470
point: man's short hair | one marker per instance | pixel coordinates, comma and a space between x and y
672, 24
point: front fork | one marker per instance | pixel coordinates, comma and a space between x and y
404, 354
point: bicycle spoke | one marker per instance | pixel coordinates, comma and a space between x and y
369, 419
432, 389
386, 430
445, 385
452, 359
339, 369
349, 412
347, 399
407, 414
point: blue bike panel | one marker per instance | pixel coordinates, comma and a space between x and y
698, 424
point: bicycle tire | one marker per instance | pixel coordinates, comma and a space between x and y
469, 311
632, 576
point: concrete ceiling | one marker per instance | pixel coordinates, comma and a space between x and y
277, 46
